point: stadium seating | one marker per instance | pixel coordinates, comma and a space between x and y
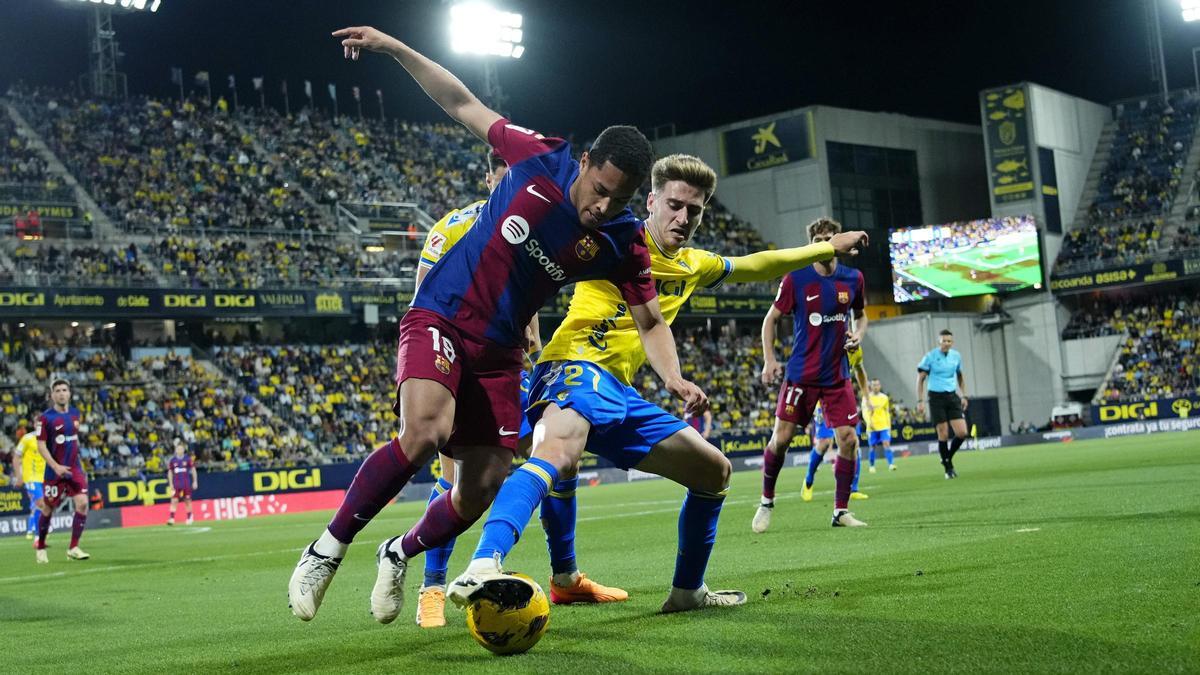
157, 166
18, 162
1146, 159
1140, 181
200, 262
338, 397
1160, 356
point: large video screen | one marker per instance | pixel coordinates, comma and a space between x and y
994, 255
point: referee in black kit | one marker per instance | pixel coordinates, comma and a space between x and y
942, 367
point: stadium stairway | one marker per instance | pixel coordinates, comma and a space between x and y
1112, 366
102, 224
1183, 198
1100, 160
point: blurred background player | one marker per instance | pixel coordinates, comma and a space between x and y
183, 480
879, 424
942, 369
824, 298
581, 389
701, 423
30, 469
58, 443
822, 437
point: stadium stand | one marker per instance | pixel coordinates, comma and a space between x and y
19, 163
340, 396
1127, 219
1160, 356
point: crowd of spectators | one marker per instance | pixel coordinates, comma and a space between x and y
163, 166
1125, 223
1146, 159
19, 162
1128, 243
338, 397
49, 261
1160, 355
200, 262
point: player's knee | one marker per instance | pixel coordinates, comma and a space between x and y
471, 501
779, 442
424, 437
715, 477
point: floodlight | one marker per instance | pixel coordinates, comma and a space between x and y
1190, 9
478, 28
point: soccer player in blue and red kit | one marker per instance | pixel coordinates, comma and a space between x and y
58, 443
822, 298
182, 469
551, 221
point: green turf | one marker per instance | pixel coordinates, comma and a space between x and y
1057, 558
952, 273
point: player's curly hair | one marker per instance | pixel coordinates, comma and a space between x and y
687, 168
823, 226
626, 148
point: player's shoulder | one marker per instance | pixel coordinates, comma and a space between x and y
465, 215
849, 273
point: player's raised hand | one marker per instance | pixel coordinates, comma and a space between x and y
695, 400
771, 372
357, 38
850, 243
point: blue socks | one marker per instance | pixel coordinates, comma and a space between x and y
558, 519
857, 468
518, 497
437, 560
871, 455
814, 460
891, 456
34, 513
697, 532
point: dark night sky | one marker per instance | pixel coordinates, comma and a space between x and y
590, 64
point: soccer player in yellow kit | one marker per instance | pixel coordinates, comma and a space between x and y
879, 425
580, 394
30, 468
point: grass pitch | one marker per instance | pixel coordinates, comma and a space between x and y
1057, 558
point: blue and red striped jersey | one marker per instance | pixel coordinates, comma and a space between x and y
527, 243
180, 469
60, 432
822, 306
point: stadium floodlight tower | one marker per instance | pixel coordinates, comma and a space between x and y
480, 29
103, 51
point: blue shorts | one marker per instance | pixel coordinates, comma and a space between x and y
35, 492
823, 431
624, 425
526, 429
878, 437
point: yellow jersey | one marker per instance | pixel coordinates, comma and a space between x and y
33, 465
881, 412
447, 231
598, 326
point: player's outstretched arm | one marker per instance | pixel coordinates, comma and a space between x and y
772, 369
659, 343
768, 265
440, 84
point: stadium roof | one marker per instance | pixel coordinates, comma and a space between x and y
663, 61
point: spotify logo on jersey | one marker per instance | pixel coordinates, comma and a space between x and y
515, 229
